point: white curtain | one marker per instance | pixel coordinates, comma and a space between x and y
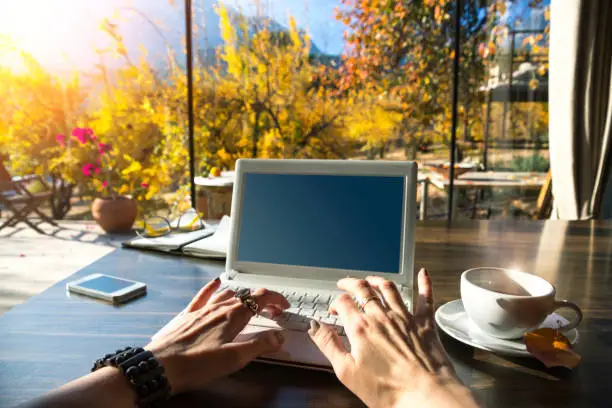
580, 107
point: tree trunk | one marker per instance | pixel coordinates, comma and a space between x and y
60, 199
255, 138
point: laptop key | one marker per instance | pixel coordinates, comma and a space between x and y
306, 301
323, 299
329, 319
307, 312
321, 313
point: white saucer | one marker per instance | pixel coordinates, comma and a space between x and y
454, 321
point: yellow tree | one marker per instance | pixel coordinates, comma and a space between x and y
267, 99
37, 106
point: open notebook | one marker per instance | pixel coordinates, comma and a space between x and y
211, 242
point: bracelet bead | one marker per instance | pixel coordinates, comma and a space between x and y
143, 372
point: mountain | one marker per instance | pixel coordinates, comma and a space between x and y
167, 31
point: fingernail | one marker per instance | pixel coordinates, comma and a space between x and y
217, 279
314, 325
424, 272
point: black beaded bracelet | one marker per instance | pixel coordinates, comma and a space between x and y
143, 371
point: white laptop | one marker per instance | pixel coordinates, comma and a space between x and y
298, 226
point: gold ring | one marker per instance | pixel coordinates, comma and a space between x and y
364, 301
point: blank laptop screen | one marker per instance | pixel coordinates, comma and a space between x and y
329, 221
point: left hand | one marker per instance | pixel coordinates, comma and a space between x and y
200, 347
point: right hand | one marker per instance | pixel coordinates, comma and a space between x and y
396, 359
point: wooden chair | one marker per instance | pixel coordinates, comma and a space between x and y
16, 198
543, 206
531, 208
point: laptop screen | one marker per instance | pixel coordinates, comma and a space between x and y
327, 221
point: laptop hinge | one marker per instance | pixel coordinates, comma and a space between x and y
273, 280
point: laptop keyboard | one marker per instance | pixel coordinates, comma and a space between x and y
305, 305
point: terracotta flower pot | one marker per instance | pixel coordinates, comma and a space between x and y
115, 214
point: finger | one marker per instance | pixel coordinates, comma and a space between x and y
222, 296
345, 308
263, 343
203, 295
328, 341
271, 311
389, 292
424, 306
264, 298
362, 290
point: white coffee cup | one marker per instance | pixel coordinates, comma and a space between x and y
506, 303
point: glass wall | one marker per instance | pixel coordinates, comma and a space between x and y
93, 100
322, 79
504, 126
97, 97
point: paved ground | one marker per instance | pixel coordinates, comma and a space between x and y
31, 262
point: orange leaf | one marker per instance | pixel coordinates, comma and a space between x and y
526, 41
542, 70
438, 14
551, 348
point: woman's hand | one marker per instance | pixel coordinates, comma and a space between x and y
395, 358
199, 348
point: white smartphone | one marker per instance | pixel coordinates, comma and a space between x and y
108, 288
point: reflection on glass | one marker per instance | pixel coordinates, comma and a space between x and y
94, 97
323, 79
510, 141
326, 79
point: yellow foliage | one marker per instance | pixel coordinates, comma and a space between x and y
132, 168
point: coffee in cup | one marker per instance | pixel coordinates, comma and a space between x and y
507, 303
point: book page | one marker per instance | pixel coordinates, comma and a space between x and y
216, 244
171, 241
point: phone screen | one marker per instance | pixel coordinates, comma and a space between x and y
106, 284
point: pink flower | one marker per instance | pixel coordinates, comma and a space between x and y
87, 169
83, 135
80, 135
97, 170
144, 185
105, 184
104, 147
90, 133
61, 139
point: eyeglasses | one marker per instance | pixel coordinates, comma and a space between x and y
157, 226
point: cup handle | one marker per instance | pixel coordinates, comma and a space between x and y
559, 304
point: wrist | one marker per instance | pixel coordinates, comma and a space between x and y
116, 381
174, 369
444, 391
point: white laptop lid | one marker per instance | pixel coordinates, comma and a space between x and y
323, 219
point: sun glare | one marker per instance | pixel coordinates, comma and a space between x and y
58, 33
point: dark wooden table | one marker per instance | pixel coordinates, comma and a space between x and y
53, 337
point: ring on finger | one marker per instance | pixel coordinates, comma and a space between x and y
247, 299
362, 302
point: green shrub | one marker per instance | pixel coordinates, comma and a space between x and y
535, 162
